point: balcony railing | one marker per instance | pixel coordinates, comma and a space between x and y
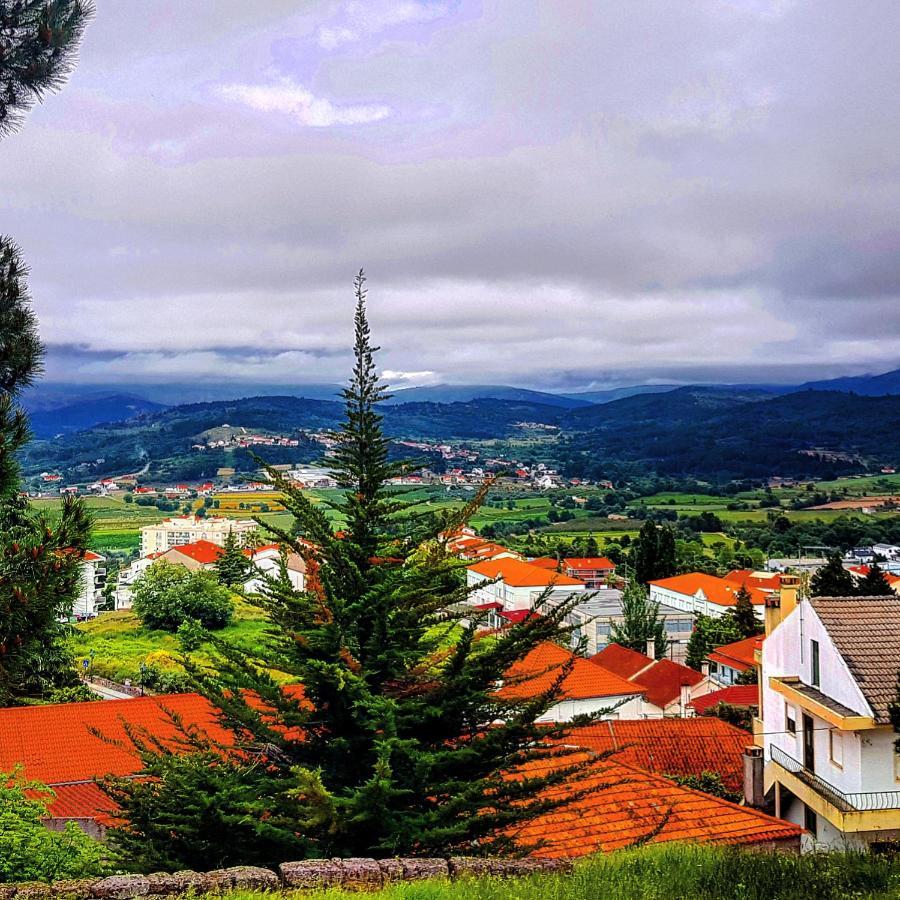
859, 802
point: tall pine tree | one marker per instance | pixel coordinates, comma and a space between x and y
39, 563
874, 583
653, 554
399, 742
640, 623
832, 580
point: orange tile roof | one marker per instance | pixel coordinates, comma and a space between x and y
56, 744
762, 580
588, 562
538, 671
670, 746
203, 552
517, 573
632, 805
545, 562
734, 695
622, 660
663, 680
716, 590
739, 655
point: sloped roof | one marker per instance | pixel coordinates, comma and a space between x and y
517, 573
866, 632
545, 562
716, 590
622, 660
588, 562
738, 655
768, 581
733, 695
538, 671
670, 746
663, 680
203, 552
626, 805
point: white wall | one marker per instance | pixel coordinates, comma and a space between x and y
566, 710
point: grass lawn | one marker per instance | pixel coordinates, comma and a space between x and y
121, 643
670, 872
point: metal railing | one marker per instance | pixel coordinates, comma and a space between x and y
858, 802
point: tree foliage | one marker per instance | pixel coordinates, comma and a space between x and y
399, 742
708, 634
232, 567
874, 583
29, 851
832, 580
640, 623
653, 555
167, 595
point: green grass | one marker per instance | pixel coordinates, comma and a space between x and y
121, 643
670, 872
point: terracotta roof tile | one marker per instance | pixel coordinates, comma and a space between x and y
734, 695
541, 667
866, 632
716, 590
588, 562
663, 680
632, 805
670, 746
739, 655
203, 552
622, 660
517, 573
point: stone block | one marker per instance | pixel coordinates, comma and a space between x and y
391, 870
420, 869
311, 874
121, 887
361, 874
75, 889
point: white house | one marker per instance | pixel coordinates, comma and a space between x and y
828, 673
588, 688
181, 530
697, 592
267, 563
518, 584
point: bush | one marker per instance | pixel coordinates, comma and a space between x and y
167, 595
31, 852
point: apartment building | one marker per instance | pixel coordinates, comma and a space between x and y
180, 530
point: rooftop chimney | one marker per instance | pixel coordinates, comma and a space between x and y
754, 786
685, 700
651, 648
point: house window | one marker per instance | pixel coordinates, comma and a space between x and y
790, 719
897, 767
836, 747
810, 821
814, 662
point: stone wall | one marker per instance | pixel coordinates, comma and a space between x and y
313, 874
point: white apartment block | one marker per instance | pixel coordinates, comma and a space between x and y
93, 577
182, 530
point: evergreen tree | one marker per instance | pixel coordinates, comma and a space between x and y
744, 615
832, 580
654, 553
708, 634
399, 742
874, 583
640, 623
39, 563
232, 567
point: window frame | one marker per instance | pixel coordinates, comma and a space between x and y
815, 667
790, 718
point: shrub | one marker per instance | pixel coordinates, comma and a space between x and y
31, 852
167, 595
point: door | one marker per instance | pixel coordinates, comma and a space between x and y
809, 747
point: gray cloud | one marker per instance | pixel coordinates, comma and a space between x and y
559, 195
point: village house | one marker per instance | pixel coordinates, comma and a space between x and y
517, 585
828, 673
668, 687
726, 664
697, 592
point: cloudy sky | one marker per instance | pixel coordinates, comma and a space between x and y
551, 194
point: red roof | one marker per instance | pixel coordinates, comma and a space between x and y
614, 806
768, 581
545, 562
517, 573
670, 746
90, 556
589, 563
203, 552
538, 671
622, 660
716, 590
735, 695
518, 615
663, 680
739, 655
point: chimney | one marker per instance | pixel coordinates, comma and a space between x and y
754, 786
685, 700
780, 605
651, 648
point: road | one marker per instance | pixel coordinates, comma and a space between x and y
108, 693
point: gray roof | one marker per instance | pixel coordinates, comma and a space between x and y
866, 632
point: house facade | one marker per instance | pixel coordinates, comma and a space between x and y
517, 585
181, 530
828, 674
697, 592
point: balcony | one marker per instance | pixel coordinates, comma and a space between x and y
844, 802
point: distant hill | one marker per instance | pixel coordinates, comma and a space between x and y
866, 385
51, 414
464, 393
621, 393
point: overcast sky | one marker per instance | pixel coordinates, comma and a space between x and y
551, 194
